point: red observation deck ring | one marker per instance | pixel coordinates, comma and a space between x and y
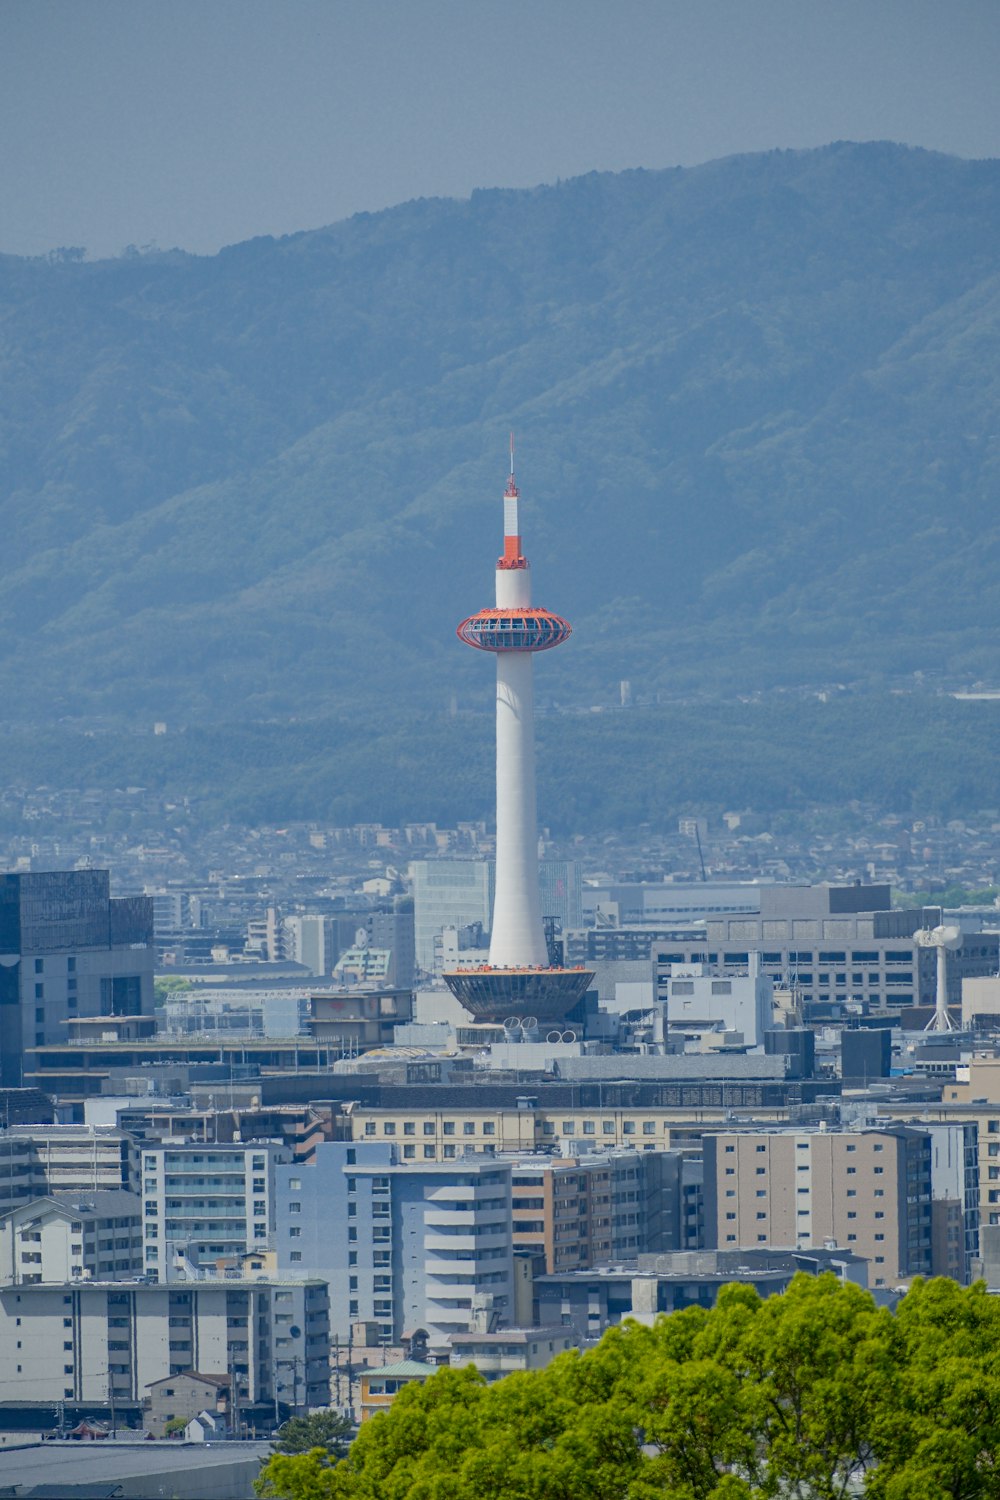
514, 630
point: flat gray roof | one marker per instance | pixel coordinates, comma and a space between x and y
69, 1468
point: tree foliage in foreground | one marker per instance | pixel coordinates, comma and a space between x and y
321, 1430
813, 1395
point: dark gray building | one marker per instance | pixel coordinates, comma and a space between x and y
67, 949
593, 1300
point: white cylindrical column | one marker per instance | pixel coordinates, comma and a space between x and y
942, 1020
518, 937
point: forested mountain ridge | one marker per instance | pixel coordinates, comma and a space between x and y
755, 404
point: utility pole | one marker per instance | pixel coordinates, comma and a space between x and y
350, 1371
234, 1397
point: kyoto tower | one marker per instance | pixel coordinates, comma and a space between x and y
518, 981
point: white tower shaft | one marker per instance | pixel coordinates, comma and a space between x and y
941, 1020
518, 937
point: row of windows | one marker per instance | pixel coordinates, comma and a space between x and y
488, 1128
772, 959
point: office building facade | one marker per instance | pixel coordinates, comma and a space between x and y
67, 949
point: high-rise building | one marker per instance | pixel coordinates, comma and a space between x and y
404, 1243
519, 980
447, 893
68, 949
212, 1200
867, 1190
581, 1210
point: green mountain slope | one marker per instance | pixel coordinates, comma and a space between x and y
755, 404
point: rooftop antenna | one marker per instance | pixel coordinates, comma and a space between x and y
511, 486
942, 938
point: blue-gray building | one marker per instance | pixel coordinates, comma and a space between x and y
404, 1245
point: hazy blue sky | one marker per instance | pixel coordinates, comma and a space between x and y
201, 122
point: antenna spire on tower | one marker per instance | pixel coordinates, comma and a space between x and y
511, 486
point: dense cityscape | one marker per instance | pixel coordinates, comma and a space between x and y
299, 1117
455, 1046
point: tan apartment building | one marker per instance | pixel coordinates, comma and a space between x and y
866, 1190
579, 1211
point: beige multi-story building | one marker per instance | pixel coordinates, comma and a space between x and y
100, 1342
79, 1158
579, 1211
866, 1190
36, 1160
444, 1134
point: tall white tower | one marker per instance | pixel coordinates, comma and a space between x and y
517, 938
514, 630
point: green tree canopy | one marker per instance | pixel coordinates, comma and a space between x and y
817, 1394
323, 1432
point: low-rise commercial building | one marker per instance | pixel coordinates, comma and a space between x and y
381, 1385
705, 999
508, 1350
586, 1303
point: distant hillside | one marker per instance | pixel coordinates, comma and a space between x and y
917, 755
756, 413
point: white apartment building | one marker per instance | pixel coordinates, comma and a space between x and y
71, 1236
98, 1341
703, 999
307, 940
211, 1200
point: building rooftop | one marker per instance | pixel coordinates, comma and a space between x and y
66, 1469
222, 1381
108, 1203
226, 1282
511, 1335
404, 1369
